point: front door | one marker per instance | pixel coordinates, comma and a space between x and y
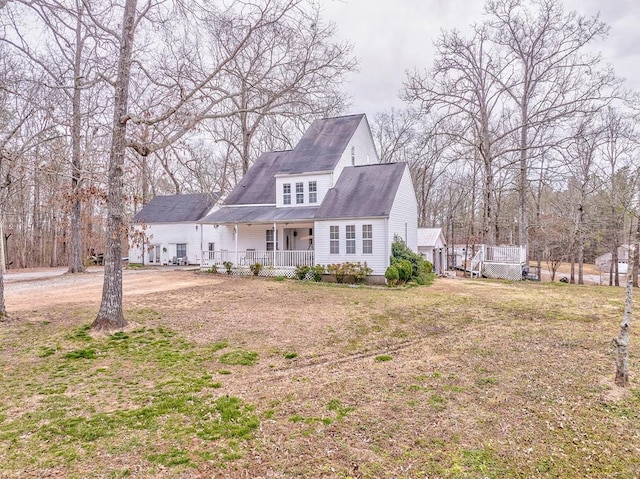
290, 239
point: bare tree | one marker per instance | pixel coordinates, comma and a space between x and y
550, 76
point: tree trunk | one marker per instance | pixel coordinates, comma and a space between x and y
110, 316
3, 309
622, 341
75, 252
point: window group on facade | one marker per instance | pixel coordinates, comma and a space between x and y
312, 193
366, 239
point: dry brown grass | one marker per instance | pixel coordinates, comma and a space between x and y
487, 379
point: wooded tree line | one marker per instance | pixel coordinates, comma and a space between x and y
518, 133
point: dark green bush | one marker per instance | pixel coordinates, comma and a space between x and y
256, 268
317, 271
392, 276
410, 265
301, 272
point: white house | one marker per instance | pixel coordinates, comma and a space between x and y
603, 262
166, 230
433, 246
329, 200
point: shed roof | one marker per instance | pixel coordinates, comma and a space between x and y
430, 237
260, 214
176, 208
363, 192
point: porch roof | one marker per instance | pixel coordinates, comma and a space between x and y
260, 214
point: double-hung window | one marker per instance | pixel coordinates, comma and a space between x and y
313, 192
299, 193
271, 240
367, 239
351, 239
181, 250
286, 194
334, 240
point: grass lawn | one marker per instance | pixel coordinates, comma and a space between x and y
248, 377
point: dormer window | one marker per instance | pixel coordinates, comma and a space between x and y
353, 156
286, 194
313, 192
299, 193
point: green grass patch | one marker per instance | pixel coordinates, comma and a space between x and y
383, 358
239, 357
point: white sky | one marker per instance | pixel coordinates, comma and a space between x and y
393, 36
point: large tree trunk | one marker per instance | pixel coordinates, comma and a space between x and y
76, 264
622, 341
111, 315
3, 309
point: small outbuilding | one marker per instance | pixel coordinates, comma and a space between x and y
433, 246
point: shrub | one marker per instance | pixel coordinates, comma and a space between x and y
228, 265
411, 266
338, 272
301, 272
213, 269
317, 271
360, 272
256, 268
392, 276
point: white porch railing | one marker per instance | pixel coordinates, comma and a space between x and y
245, 258
499, 262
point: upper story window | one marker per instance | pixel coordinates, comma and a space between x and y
313, 192
353, 156
334, 239
299, 193
286, 194
367, 239
351, 239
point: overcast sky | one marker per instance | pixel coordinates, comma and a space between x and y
390, 37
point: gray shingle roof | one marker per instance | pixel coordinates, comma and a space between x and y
260, 214
322, 145
258, 186
176, 208
363, 192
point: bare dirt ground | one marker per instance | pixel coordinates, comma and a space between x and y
53, 288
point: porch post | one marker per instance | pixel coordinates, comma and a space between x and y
275, 245
235, 234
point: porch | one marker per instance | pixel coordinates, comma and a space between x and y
275, 263
500, 262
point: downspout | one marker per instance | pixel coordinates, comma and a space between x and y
387, 258
201, 245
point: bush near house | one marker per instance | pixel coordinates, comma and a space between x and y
356, 271
410, 266
256, 268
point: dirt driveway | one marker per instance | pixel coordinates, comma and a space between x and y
86, 288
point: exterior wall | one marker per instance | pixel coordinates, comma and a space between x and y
378, 260
365, 150
167, 236
323, 185
403, 219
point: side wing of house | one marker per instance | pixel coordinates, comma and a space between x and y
166, 230
403, 218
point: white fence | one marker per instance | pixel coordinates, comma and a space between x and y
245, 258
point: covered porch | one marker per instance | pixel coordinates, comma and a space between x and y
278, 247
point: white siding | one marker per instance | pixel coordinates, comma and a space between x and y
365, 150
403, 220
323, 184
377, 260
167, 236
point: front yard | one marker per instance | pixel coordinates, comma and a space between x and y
251, 377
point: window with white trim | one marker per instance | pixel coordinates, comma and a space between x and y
367, 239
181, 250
334, 239
299, 193
271, 245
351, 239
286, 194
313, 192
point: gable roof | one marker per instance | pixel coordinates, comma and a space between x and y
430, 237
322, 145
363, 191
258, 186
176, 208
